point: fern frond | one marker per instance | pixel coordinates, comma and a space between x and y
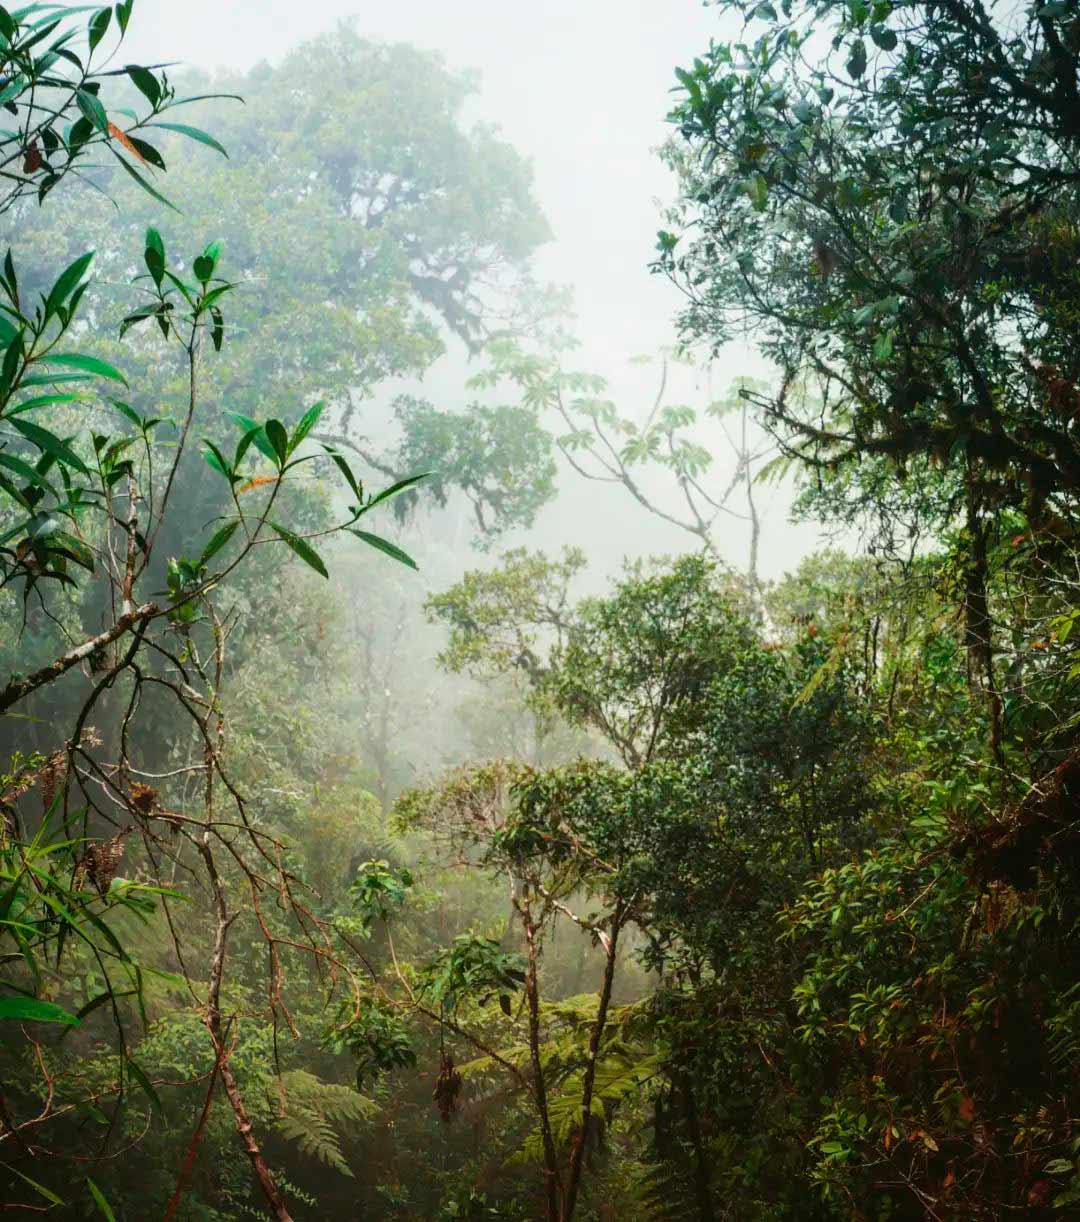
312, 1109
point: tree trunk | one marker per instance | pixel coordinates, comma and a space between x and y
577, 1157
532, 995
978, 627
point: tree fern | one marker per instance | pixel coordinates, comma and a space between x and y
313, 1113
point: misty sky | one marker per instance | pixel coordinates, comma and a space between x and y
581, 87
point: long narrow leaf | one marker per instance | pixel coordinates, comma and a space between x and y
383, 545
47, 1193
99, 1201
395, 489
49, 443
88, 364
303, 549
193, 133
29, 1009
144, 184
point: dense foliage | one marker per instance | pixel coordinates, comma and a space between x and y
677, 894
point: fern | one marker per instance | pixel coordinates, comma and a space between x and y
313, 1113
1064, 1028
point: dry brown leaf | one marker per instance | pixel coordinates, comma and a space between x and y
258, 482
118, 134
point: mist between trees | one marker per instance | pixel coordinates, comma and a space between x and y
372, 845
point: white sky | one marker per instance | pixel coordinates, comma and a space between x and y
581, 87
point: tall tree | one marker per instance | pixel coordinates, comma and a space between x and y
886, 193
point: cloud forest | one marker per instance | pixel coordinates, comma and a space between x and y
448, 772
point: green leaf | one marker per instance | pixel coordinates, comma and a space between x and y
11, 281
145, 82
758, 189
1059, 1166
53, 379
804, 112
278, 438
307, 422
100, 1201
93, 110
9, 367
129, 413
143, 183
133, 320
208, 261
216, 459
99, 26
218, 541
145, 1085
13, 89
856, 64
189, 291
74, 549
67, 282
154, 255
217, 333
26, 471
262, 443
49, 443
29, 1009
123, 15
38, 1188
88, 364
301, 547
244, 444
17, 496
390, 549
193, 133
394, 489
29, 405
346, 470
149, 153
884, 38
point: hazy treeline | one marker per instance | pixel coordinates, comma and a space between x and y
364, 853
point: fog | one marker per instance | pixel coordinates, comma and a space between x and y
582, 89
477, 741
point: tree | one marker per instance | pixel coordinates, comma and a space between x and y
632, 666
899, 231
100, 507
546, 833
417, 232
607, 445
742, 771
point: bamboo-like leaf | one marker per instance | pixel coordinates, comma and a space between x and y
49, 443
193, 133
99, 1200
394, 489
218, 540
42, 1191
383, 545
87, 364
301, 547
29, 1009
307, 422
